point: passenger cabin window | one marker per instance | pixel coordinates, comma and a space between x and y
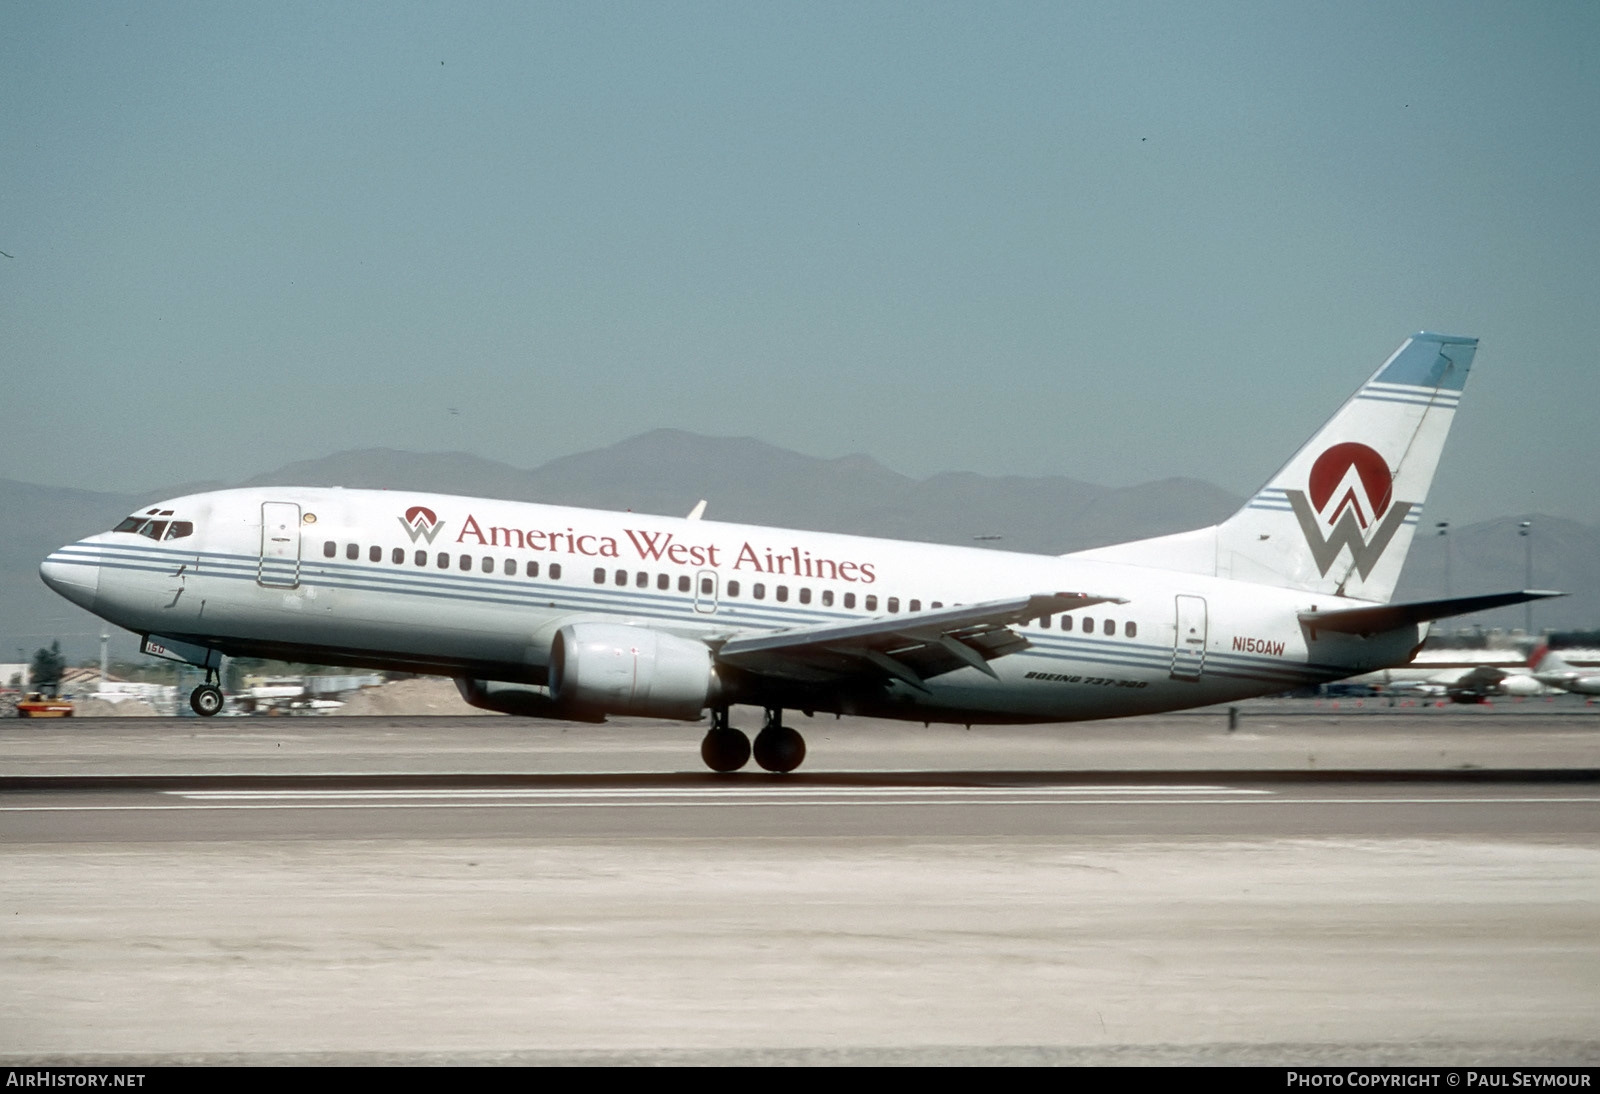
487, 566
805, 596
510, 568
783, 592
663, 582
733, 588
1066, 622
399, 556
533, 569
555, 571
827, 598
421, 558
872, 603
1130, 629
759, 591
894, 605
1110, 628
330, 549
466, 562
352, 551
916, 605
683, 583
850, 600
444, 560
599, 575
375, 554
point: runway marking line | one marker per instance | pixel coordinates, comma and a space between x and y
690, 792
698, 797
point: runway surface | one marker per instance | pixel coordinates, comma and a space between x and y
488, 890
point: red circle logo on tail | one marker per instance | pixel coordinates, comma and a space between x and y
427, 515
1370, 468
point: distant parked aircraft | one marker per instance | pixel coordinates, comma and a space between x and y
1550, 668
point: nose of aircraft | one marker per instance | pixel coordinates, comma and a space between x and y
78, 581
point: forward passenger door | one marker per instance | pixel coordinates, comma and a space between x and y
280, 545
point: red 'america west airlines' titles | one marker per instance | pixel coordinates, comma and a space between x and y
559, 612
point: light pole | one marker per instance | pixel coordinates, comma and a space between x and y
1444, 533
1525, 530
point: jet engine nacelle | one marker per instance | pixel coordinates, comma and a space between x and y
615, 669
1518, 684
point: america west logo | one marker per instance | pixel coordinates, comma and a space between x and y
420, 522
1350, 504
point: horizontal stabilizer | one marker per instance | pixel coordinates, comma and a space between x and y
1385, 617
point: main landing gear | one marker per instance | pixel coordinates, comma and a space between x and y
778, 748
206, 699
724, 748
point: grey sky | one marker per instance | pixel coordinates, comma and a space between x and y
1117, 242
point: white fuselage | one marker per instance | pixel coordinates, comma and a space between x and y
472, 587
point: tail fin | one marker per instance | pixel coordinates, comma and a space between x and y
1340, 515
1544, 659
1537, 655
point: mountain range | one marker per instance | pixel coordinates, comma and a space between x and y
749, 481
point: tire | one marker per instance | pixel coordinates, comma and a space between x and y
780, 749
725, 750
206, 700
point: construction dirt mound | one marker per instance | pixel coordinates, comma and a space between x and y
424, 695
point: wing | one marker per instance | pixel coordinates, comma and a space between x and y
910, 648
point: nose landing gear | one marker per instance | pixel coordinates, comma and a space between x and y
777, 748
206, 700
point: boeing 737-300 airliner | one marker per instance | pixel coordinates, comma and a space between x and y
577, 614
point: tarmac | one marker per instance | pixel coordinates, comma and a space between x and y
1318, 885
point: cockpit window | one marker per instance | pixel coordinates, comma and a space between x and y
156, 529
